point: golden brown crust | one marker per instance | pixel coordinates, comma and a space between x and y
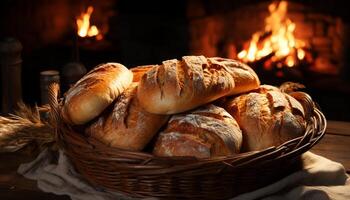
206, 132
94, 92
128, 126
267, 117
177, 86
139, 71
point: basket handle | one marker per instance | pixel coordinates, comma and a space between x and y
53, 93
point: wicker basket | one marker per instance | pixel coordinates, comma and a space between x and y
139, 174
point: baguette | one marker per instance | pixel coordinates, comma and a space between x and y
177, 86
94, 92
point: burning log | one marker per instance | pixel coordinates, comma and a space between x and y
275, 47
262, 61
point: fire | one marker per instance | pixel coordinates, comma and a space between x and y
84, 28
277, 39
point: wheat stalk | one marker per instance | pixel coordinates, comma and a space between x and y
24, 127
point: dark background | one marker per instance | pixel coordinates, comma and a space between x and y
139, 33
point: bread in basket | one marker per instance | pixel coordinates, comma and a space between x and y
142, 174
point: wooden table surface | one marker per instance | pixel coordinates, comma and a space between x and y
335, 146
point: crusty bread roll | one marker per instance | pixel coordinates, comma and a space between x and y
138, 72
127, 125
177, 86
206, 132
94, 92
267, 117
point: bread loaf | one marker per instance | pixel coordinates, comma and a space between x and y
206, 132
127, 125
267, 117
94, 92
177, 86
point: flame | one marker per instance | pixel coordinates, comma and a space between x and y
277, 38
84, 28
301, 54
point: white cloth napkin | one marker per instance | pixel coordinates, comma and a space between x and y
320, 179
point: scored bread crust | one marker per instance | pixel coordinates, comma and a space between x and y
177, 86
267, 117
139, 71
127, 126
94, 92
206, 132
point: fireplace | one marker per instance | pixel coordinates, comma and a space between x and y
143, 32
225, 33
317, 34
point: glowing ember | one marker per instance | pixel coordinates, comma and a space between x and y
277, 39
84, 28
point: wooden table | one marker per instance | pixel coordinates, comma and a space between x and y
336, 143
335, 146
